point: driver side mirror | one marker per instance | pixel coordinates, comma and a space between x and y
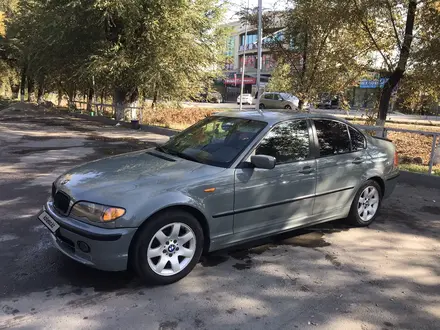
263, 161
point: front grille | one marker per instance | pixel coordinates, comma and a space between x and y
61, 202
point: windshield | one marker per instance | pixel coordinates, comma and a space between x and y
214, 141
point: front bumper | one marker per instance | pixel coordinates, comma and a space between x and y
108, 247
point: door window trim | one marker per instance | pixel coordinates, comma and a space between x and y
316, 140
257, 144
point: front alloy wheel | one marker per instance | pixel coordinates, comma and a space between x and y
167, 247
171, 249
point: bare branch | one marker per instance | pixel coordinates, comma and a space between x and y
370, 34
393, 21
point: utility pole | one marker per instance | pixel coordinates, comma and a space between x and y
260, 47
244, 60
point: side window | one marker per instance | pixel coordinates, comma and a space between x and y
277, 97
333, 137
357, 139
268, 96
287, 142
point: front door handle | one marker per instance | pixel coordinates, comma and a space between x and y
358, 160
307, 170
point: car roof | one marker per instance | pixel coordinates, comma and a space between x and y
274, 117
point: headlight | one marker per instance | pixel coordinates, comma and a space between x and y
95, 212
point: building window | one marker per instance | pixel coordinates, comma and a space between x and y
250, 62
250, 40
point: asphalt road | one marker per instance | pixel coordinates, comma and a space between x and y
386, 276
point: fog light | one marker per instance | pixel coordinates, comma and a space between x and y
83, 246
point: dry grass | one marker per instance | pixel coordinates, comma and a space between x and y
177, 118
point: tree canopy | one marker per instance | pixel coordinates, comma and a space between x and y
153, 48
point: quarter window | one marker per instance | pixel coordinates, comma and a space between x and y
287, 142
333, 137
357, 140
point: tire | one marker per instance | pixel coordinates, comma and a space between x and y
261, 106
147, 255
288, 107
370, 193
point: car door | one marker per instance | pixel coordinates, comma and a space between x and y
340, 166
268, 100
277, 101
271, 200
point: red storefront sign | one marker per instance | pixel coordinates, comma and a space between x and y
237, 81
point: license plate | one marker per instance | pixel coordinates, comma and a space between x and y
49, 222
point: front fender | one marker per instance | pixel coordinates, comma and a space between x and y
157, 203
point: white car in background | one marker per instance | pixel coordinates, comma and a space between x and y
247, 99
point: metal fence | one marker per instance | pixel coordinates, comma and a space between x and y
383, 132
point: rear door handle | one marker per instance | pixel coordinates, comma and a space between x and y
307, 170
358, 160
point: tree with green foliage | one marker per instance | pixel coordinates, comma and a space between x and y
159, 49
390, 27
151, 48
319, 51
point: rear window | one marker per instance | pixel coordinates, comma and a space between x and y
333, 137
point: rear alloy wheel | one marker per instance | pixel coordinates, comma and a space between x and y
288, 107
168, 247
366, 204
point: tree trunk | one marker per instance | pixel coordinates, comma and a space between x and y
90, 99
398, 72
40, 93
120, 102
31, 89
71, 95
60, 96
102, 101
155, 98
22, 84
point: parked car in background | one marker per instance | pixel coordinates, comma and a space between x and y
247, 99
278, 101
329, 103
211, 97
230, 178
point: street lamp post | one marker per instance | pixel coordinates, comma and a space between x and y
260, 46
244, 60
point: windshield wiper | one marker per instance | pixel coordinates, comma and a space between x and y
162, 149
182, 155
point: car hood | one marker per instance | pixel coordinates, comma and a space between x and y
109, 178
